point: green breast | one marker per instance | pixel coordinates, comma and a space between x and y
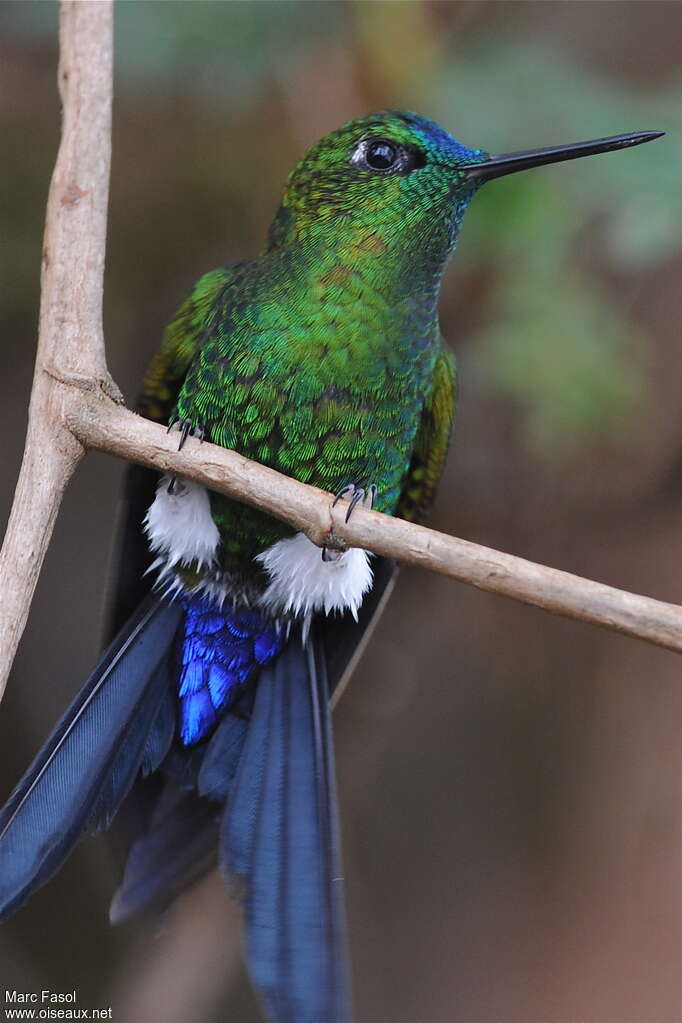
310, 368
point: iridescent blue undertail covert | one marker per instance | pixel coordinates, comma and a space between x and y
322, 357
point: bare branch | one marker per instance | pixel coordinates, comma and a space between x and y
70, 307
99, 423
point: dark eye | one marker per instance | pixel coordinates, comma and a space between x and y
382, 156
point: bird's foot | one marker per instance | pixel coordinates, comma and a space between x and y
355, 495
186, 428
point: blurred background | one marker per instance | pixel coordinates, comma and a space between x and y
511, 783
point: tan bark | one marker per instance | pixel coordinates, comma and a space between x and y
70, 340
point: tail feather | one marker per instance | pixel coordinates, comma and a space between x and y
269, 762
136, 751
213, 770
180, 842
45, 815
221, 760
283, 845
239, 826
179, 847
160, 737
330, 837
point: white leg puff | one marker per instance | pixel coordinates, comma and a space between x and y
301, 582
180, 526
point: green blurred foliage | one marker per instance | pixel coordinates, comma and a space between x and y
544, 95
572, 360
558, 341
221, 52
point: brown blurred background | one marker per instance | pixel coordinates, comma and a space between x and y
511, 783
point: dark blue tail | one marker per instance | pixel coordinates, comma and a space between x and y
259, 788
279, 836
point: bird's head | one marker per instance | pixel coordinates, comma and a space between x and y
395, 172
402, 177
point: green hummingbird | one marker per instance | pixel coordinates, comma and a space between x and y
321, 358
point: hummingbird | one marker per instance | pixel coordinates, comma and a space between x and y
322, 358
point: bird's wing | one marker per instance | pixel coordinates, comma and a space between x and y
433, 439
183, 337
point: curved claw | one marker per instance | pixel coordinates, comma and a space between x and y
359, 495
356, 495
186, 427
185, 430
349, 488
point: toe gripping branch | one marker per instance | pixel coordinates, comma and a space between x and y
186, 428
355, 495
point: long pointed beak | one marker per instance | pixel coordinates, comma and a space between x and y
509, 163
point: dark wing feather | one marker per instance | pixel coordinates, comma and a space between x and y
160, 738
45, 815
432, 441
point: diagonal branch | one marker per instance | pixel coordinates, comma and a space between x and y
99, 423
75, 405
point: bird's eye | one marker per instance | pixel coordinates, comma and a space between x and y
381, 156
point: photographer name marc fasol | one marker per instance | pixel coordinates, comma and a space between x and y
44, 997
